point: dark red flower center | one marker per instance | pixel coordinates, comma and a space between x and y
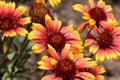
57, 40
105, 39
37, 12
97, 14
65, 69
6, 23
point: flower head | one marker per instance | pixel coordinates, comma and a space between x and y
94, 14
10, 20
53, 34
105, 44
38, 11
67, 66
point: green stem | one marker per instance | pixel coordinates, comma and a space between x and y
23, 46
21, 50
44, 74
87, 35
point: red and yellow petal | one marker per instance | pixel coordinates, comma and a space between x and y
57, 25
75, 41
38, 27
82, 27
116, 43
107, 8
100, 77
116, 39
44, 63
111, 16
66, 29
2, 8
86, 75
92, 4
49, 23
86, 16
72, 35
52, 25
116, 31
110, 54
37, 36
10, 7
76, 57
25, 20
38, 48
21, 31
99, 70
94, 48
80, 7
10, 33
100, 55
18, 12
53, 52
84, 63
54, 3
101, 4
65, 51
45, 66
89, 41
76, 46
109, 25
116, 52
53, 61
92, 22
114, 55
107, 54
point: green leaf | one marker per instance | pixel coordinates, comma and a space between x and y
6, 76
10, 67
11, 55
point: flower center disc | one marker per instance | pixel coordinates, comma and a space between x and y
105, 39
65, 69
5, 23
57, 40
37, 12
97, 14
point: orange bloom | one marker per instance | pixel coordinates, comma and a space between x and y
67, 66
55, 35
105, 44
10, 21
94, 14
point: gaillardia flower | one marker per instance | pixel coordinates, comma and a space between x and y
38, 11
10, 19
53, 34
66, 66
105, 44
94, 14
